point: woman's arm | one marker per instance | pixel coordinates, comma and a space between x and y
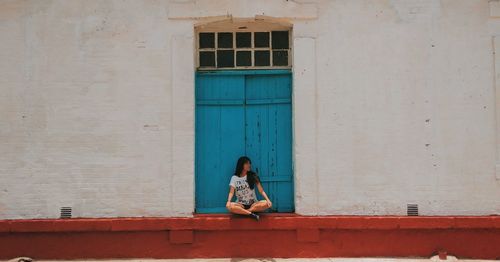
261, 190
231, 193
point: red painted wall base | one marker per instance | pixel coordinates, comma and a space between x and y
233, 236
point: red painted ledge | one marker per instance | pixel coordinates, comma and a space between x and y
275, 235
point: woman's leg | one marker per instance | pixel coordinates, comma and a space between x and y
238, 208
259, 206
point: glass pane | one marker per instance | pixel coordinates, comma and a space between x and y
280, 39
261, 39
225, 58
225, 40
244, 58
207, 40
280, 58
244, 39
207, 59
262, 58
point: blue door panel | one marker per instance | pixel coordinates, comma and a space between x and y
220, 87
243, 113
219, 100
265, 87
268, 141
205, 131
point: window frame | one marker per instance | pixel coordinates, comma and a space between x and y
252, 47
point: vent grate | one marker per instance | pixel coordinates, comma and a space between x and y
66, 212
412, 209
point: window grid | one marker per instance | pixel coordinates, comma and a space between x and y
236, 49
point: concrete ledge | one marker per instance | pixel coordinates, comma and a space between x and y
278, 235
308, 235
229, 222
181, 236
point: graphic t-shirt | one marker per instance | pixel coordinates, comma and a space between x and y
243, 193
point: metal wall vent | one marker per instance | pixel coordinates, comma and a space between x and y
412, 209
66, 212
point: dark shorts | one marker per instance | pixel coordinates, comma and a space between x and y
247, 206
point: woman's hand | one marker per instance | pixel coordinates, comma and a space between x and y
269, 204
228, 204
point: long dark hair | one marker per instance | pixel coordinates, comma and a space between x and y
252, 177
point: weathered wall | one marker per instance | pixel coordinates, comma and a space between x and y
394, 103
86, 109
406, 108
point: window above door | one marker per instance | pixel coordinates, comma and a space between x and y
243, 46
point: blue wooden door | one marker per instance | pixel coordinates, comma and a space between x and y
243, 112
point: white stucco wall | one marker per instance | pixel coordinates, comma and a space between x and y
395, 102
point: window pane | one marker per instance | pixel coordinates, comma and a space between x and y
207, 40
280, 39
280, 58
207, 59
262, 58
261, 39
243, 39
244, 58
225, 58
225, 40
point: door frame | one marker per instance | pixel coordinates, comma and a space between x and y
305, 112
